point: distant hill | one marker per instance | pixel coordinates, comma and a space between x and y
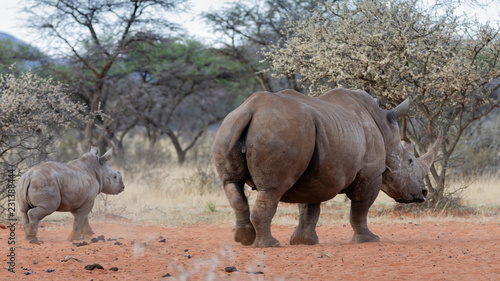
15, 50
6, 36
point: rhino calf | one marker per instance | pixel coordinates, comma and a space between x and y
70, 187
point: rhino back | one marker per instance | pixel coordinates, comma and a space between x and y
348, 147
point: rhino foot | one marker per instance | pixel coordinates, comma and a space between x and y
76, 236
266, 243
245, 234
304, 239
363, 238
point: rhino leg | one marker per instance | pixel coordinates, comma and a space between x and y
81, 214
86, 229
305, 233
35, 215
361, 200
25, 222
261, 217
244, 231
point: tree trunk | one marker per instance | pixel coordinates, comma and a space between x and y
94, 107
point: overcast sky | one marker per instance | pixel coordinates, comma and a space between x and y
11, 19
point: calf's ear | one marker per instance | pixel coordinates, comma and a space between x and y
106, 156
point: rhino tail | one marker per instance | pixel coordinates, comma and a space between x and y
24, 200
237, 144
236, 169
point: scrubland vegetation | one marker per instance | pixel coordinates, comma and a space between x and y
159, 191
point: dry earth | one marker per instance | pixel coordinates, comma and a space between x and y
448, 250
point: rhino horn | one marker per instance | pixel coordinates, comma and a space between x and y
428, 158
402, 109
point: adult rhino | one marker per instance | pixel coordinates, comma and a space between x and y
70, 187
299, 149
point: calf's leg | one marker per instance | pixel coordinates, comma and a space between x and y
81, 214
305, 233
86, 229
35, 215
244, 230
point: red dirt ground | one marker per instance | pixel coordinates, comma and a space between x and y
426, 251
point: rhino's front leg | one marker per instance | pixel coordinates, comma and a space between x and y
244, 231
362, 197
305, 233
86, 229
261, 217
81, 214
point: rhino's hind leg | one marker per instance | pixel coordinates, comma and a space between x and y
305, 233
244, 230
360, 204
35, 215
261, 217
28, 232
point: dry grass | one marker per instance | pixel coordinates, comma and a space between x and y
162, 192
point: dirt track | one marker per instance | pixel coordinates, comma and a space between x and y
426, 251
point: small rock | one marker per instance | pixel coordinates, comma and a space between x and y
35, 262
50, 270
93, 266
187, 256
163, 240
118, 243
254, 272
114, 268
167, 275
230, 269
67, 258
94, 240
101, 238
84, 243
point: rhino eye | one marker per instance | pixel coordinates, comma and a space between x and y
114, 176
411, 160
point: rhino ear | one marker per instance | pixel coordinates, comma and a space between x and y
402, 109
106, 156
93, 150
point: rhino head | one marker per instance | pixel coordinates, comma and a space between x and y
403, 178
112, 182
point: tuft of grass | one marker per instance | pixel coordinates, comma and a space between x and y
211, 206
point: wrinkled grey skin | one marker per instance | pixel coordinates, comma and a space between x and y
70, 187
298, 149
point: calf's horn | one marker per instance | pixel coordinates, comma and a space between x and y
428, 158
